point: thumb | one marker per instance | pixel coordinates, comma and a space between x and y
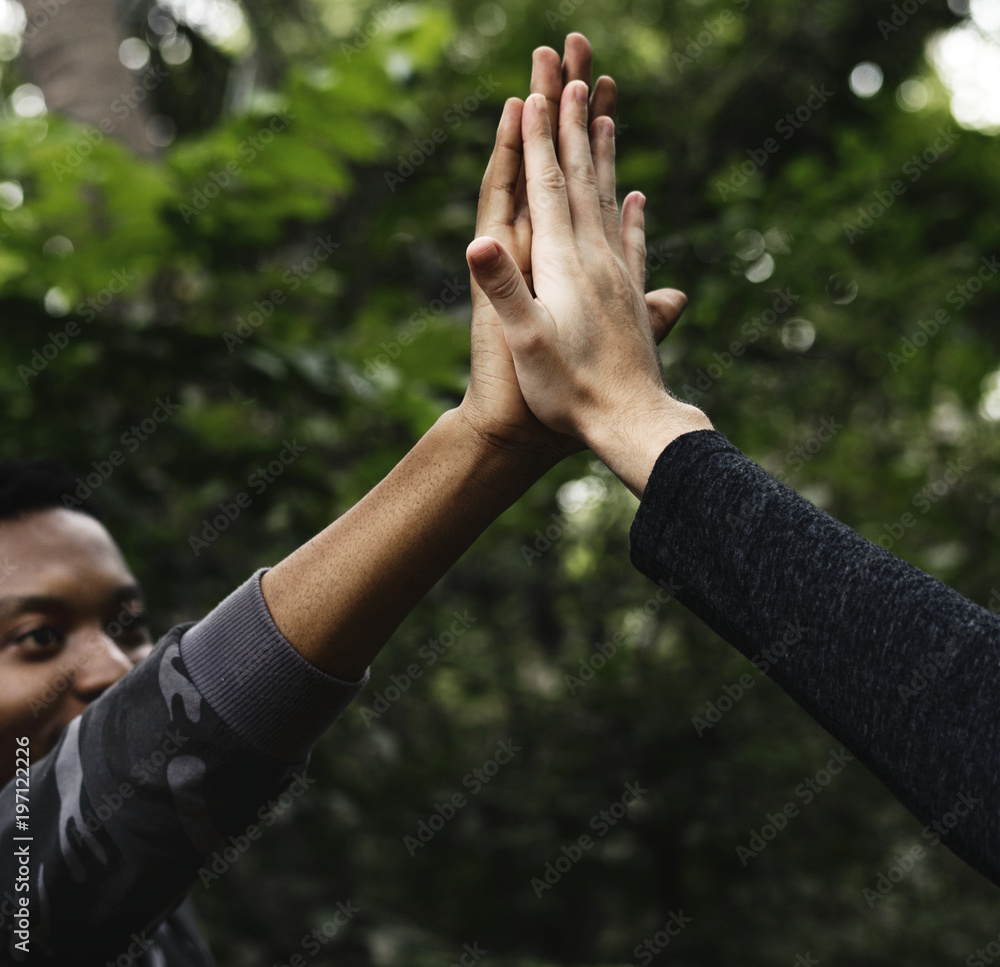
495, 271
665, 307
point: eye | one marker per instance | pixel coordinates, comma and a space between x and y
41, 641
135, 631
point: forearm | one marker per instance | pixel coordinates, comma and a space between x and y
339, 597
842, 625
629, 443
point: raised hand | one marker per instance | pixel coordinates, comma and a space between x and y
494, 402
581, 337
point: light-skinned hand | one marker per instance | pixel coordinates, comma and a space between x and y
581, 337
494, 402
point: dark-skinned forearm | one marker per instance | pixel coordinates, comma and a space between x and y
339, 597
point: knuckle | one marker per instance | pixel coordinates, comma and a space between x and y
582, 172
551, 179
507, 285
531, 342
637, 237
609, 206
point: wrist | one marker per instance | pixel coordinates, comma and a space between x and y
500, 457
630, 442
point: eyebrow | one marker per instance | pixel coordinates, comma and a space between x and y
14, 604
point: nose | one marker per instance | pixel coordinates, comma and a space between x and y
101, 664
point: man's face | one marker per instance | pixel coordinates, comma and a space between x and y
71, 625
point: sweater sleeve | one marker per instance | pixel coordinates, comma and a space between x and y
164, 780
899, 667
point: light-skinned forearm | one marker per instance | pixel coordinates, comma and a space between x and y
339, 597
629, 443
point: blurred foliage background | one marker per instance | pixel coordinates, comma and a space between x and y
242, 253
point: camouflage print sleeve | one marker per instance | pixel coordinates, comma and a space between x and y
166, 779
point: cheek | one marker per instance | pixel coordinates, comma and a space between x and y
33, 698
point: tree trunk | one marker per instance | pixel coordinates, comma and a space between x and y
71, 52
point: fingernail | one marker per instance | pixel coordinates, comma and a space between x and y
486, 257
642, 201
580, 92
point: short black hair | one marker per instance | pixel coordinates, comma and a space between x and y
27, 485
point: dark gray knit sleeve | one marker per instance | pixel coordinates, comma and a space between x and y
258, 684
899, 667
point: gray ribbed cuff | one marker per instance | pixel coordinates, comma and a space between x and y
256, 682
